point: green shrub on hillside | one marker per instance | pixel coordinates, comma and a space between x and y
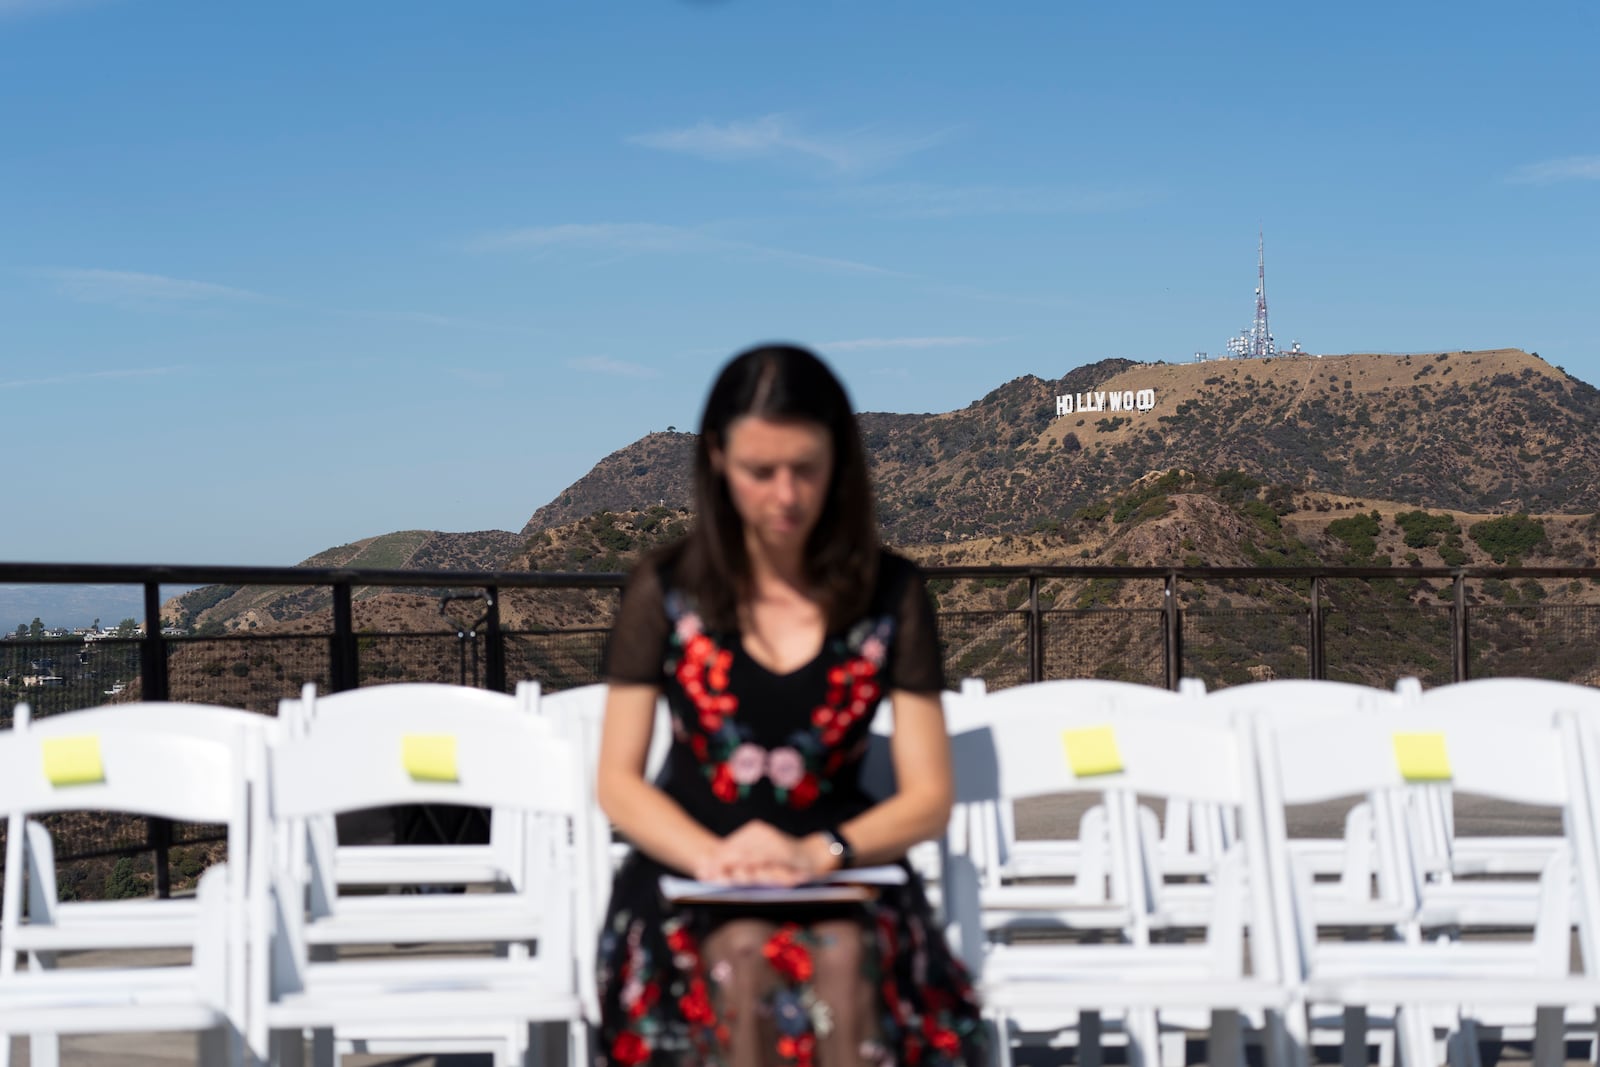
1359, 532
1423, 530
1510, 538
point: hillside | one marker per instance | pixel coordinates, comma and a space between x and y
214, 608
1314, 442
1473, 431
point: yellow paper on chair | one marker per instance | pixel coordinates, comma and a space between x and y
1422, 757
1092, 750
429, 757
73, 760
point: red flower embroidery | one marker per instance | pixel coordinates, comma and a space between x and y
804, 794
696, 1004
722, 784
629, 1048
680, 940
940, 1038
648, 995
787, 955
798, 1049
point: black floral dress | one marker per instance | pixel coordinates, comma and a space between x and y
752, 744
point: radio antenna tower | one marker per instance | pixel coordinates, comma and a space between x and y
1261, 337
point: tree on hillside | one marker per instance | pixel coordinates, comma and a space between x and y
36, 630
1510, 538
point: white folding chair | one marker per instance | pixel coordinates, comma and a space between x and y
1447, 855
1435, 977
118, 760
1119, 744
411, 866
1353, 875
1032, 881
515, 955
62, 926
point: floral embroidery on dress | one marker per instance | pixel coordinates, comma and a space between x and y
799, 771
643, 981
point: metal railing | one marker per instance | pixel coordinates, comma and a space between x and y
1014, 624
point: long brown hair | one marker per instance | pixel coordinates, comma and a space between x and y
841, 557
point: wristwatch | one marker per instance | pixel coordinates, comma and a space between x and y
839, 848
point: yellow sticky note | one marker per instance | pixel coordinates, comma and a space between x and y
1092, 750
73, 760
429, 757
1422, 757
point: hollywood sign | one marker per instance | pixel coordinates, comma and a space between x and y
1127, 400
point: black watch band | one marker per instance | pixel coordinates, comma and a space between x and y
839, 848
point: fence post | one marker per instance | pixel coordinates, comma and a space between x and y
153, 649
1174, 632
494, 647
1035, 632
1319, 653
1458, 627
155, 686
343, 667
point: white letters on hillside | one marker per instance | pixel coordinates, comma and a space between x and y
1127, 400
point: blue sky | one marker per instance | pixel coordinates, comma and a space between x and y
281, 276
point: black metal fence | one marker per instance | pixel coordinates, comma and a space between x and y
1007, 625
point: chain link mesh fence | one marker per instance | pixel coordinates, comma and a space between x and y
992, 645
1379, 646
1122, 645
1556, 641
558, 659
1234, 646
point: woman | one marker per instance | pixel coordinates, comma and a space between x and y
774, 629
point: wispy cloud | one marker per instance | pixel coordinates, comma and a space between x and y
648, 238
134, 289
917, 200
863, 344
864, 148
84, 377
616, 368
1550, 171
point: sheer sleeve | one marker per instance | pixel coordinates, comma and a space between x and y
918, 663
638, 636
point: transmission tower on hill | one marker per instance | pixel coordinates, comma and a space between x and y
1256, 342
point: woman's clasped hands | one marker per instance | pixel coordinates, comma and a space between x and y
760, 854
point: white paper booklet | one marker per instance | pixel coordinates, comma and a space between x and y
840, 886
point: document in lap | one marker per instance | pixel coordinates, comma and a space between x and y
859, 883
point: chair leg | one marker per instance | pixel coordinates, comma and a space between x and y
1414, 1037
1353, 1050
1549, 1037
1091, 1040
44, 1050
577, 1043
1226, 1047
1002, 1042
1143, 1038
1464, 1043
287, 1048
1174, 1048
323, 1052
214, 1047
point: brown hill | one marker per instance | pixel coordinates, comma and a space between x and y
1007, 479
1475, 431
656, 469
